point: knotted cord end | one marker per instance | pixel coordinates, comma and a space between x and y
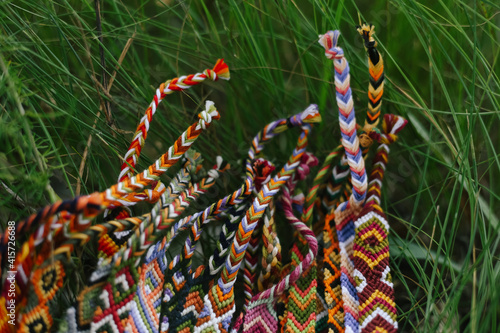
367, 31
311, 115
220, 71
393, 124
210, 113
329, 42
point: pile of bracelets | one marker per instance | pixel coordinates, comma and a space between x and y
333, 277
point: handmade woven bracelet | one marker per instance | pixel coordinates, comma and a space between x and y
138, 289
261, 313
61, 253
219, 71
377, 308
220, 299
84, 208
174, 305
347, 211
145, 306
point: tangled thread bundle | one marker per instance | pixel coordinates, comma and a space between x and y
336, 280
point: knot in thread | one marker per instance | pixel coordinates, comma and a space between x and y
329, 42
207, 115
308, 116
367, 31
210, 74
307, 162
262, 170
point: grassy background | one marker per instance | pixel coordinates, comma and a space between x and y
441, 60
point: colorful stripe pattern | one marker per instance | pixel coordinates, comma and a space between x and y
347, 211
220, 71
376, 70
219, 303
377, 308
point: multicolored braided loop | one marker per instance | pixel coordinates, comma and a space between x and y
307, 218
307, 215
148, 236
261, 170
347, 211
261, 313
144, 301
86, 207
377, 308
220, 71
376, 69
257, 173
140, 223
153, 270
219, 302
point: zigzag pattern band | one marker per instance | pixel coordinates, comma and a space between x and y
376, 70
347, 211
220, 298
377, 308
219, 71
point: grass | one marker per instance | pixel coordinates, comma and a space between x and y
442, 69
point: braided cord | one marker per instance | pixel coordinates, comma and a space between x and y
146, 238
107, 247
219, 71
261, 312
376, 70
84, 208
347, 211
256, 174
152, 272
309, 278
302, 302
377, 308
271, 251
220, 298
174, 189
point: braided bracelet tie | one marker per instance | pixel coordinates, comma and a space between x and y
376, 70
220, 70
377, 308
347, 211
220, 299
86, 207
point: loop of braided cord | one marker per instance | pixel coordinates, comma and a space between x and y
220, 298
141, 223
302, 302
271, 251
261, 312
84, 208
